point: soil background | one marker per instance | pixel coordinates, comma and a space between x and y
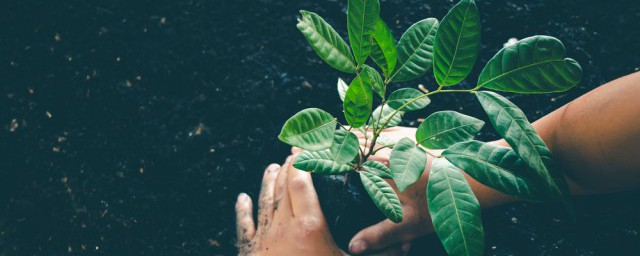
129, 127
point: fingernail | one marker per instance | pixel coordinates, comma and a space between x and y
406, 247
357, 247
243, 197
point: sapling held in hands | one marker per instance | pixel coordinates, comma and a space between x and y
449, 48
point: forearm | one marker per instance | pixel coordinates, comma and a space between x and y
595, 139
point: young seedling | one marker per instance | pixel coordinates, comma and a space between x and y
450, 48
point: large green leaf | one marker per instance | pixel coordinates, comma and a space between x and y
342, 88
383, 196
497, 167
512, 124
362, 16
405, 95
383, 50
311, 129
455, 211
326, 42
445, 128
374, 80
320, 162
457, 43
407, 162
535, 64
378, 169
345, 146
380, 118
415, 50
358, 101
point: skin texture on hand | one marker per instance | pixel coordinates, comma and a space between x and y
290, 220
595, 139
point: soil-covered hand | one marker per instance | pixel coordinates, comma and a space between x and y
290, 220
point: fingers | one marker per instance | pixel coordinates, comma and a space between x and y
246, 228
296, 150
304, 200
282, 204
379, 236
396, 250
266, 203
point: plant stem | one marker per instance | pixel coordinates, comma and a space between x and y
376, 132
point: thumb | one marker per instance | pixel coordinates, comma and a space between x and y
378, 236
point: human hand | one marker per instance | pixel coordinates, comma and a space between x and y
290, 220
416, 219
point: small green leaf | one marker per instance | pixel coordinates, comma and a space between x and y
512, 124
415, 50
326, 42
445, 128
320, 162
497, 167
345, 146
457, 43
342, 88
405, 95
362, 16
374, 80
407, 162
311, 129
383, 196
378, 169
358, 101
383, 50
380, 118
455, 211
535, 64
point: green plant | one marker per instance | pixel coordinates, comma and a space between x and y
526, 170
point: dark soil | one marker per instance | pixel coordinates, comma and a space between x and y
129, 127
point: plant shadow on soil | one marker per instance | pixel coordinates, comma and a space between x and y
129, 127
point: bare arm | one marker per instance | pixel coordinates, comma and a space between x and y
595, 139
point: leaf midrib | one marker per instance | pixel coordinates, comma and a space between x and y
518, 69
455, 53
455, 205
316, 128
445, 131
328, 42
413, 53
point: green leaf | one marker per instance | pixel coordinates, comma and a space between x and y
535, 64
445, 128
407, 162
455, 211
415, 50
342, 88
374, 80
345, 146
383, 196
320, 162
311, 129
386, 141
326, 42
405, 95
457, 43
497, 167
383, 50
358, 101
362, 16
378, 169
512, 124
386, 114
